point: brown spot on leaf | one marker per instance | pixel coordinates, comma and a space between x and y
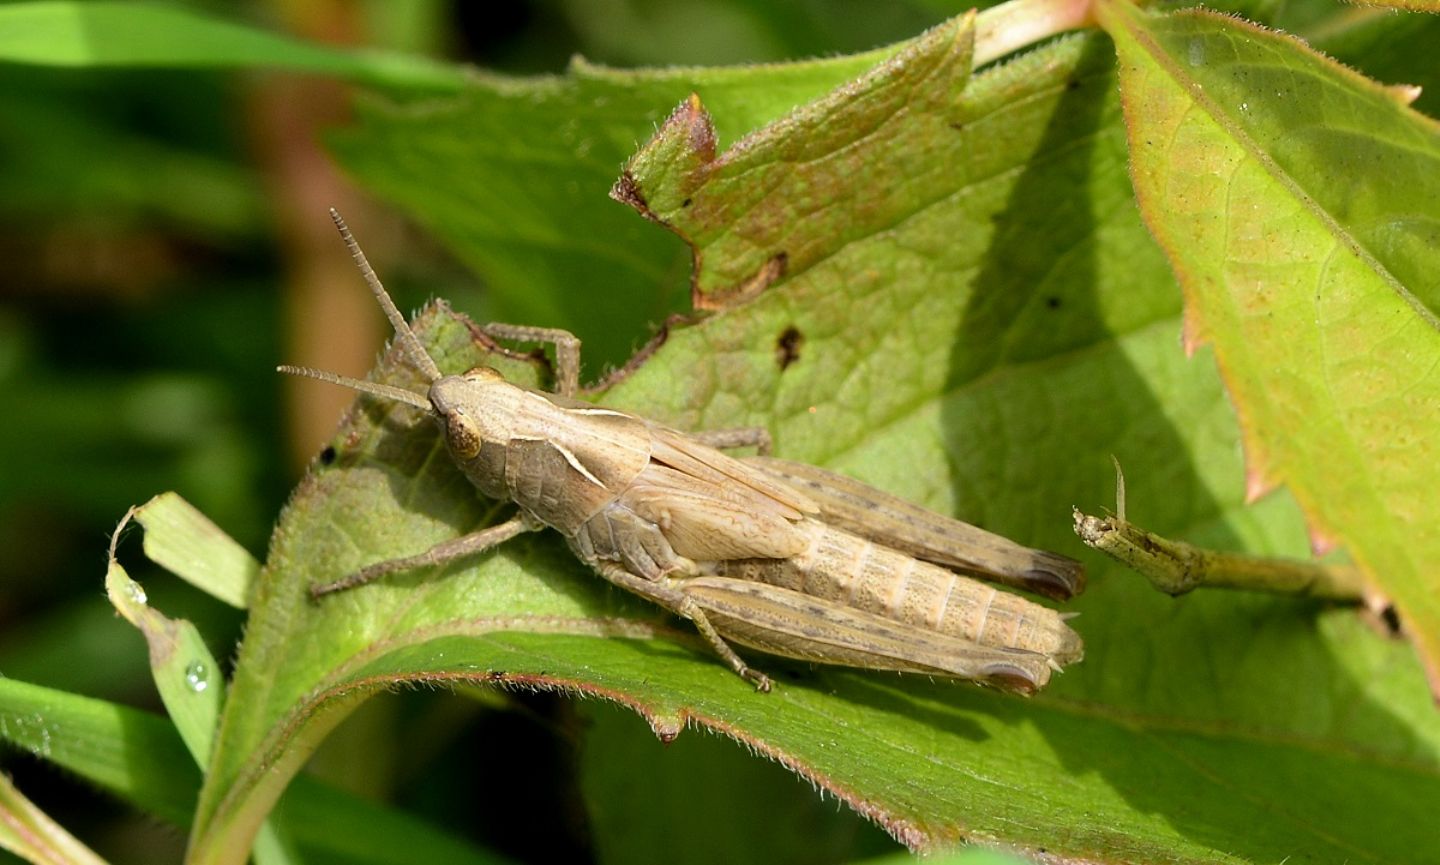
1390, 618
746, 291
787, 347
627, 191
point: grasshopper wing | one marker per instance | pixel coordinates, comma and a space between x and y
900, 525
706, 519
704, 463
712, 507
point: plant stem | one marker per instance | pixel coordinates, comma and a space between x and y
1175, 567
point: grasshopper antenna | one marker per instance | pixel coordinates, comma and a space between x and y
411, 346
384, 391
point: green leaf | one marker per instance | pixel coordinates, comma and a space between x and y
728, 806
27, 831
186, 543
88, 34
979, 340
785, 198
1297, 202
185, 673
512, 175
139, 758
133, 754
187, 676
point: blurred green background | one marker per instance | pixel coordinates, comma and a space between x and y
164, 245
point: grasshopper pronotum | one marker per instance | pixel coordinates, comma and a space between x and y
781, 556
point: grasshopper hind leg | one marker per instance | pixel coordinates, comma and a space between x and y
741, 437
682, 605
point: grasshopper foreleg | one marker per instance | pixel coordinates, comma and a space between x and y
439, 554
681, 604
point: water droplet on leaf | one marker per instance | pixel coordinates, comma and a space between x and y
197, 677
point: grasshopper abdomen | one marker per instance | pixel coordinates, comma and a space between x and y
859, 573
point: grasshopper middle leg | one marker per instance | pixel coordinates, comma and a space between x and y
567, 350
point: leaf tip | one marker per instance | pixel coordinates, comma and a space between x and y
1257, 483
627, 191
1321, 542
1404, 94
667, 727
661, 177
127, 596
692, 117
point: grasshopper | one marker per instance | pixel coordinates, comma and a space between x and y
779, 556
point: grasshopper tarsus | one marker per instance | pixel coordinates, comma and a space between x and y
692, 611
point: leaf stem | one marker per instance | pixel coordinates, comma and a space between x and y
1005, 29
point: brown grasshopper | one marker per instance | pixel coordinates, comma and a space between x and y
780, 556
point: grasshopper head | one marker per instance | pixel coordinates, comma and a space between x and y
470, 408
465, 407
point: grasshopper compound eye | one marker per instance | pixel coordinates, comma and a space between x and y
462, 433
